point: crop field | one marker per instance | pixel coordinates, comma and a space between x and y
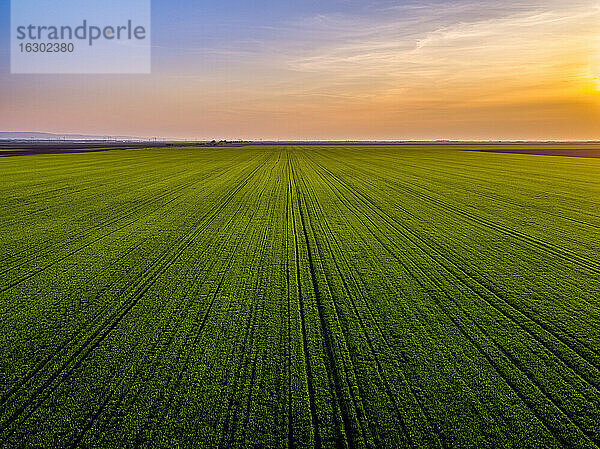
328, 297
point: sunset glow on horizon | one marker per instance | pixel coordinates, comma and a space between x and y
466, 69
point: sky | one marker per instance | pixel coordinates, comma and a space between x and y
335, 69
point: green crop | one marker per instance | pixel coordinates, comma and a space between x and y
271, 296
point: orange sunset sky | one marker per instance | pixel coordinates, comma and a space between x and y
336, 70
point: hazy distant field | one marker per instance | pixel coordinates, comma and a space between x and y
298, 297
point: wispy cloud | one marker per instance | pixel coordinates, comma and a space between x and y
444, 43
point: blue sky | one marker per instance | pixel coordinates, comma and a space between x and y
182, 26
335, 69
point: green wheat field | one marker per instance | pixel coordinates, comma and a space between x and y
291, 297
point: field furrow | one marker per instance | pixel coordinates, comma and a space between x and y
300, 296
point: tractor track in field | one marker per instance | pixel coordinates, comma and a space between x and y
94, 340
393, 223
441, 435
200, 329
351, 376
271, 206
361, 217
290, 395
308, 369
67, 343
176, 382
93, 229
408, 269
179, 192
249, 339
546, 246
329, 238
489, 285
506, 354
184, 312
466, 279
97, 195
149, 373
69, 254
230, 425
491, 289
229, 428
90, 322
538, 243
345, 426
502, 199
95, 240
